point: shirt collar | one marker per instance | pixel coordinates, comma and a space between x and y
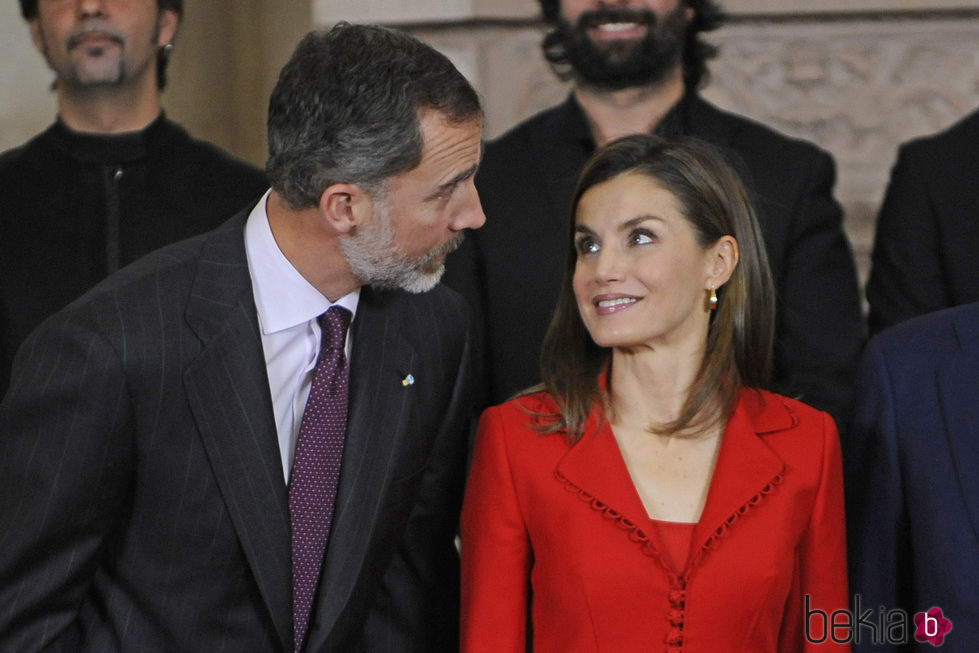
283, 297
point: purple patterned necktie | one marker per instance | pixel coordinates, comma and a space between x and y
316, 466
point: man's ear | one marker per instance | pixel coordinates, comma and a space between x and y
37, 36
345, 207
723, 259
168, 22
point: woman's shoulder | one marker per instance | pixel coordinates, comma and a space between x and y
803, 437
525, 421
537, 403
771, 412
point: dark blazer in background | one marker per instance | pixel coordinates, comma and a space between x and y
511, 269
142, 500
927, 238
911, 457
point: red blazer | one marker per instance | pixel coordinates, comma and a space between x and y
560, 533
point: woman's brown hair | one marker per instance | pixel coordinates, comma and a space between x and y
739, 340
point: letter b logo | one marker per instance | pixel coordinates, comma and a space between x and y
931, 626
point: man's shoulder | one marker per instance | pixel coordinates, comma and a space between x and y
164, 271
757, 144
548, 123
14, 160
170, 274
956, 143
11, 159
221, 166
746, 135
927, 341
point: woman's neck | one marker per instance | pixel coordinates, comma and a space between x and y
651, 386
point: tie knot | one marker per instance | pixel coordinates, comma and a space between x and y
334, 324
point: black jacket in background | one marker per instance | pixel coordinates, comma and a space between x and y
511, 268
76, 207
928, 228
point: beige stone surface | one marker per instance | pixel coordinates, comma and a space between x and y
406, 12
858, 89
27, 104
803, 7
225, 65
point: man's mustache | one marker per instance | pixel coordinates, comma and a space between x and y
449, 246
78, 37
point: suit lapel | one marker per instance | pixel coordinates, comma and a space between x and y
746, 467
958, 384
227, 387
595, 466
379, 414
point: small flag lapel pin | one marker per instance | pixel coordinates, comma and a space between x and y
408, 380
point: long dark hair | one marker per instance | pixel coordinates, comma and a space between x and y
739, 340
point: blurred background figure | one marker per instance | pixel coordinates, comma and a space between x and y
927, 238
112, 179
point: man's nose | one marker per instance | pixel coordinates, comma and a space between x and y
470, 215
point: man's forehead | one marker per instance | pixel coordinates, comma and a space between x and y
434, 120
444, 139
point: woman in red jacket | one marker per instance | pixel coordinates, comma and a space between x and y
651, 496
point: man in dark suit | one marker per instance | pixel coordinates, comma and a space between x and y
156, 443
637, 69
928, 228
910, 460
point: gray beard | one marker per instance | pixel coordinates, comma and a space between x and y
375, 259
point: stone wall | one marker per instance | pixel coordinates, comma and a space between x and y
26, 101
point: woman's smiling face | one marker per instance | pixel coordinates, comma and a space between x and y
641, 276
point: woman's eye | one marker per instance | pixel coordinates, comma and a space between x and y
587, 245
641, 237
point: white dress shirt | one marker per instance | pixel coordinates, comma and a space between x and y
288, 306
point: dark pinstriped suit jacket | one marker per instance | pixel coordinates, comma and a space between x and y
142, 502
